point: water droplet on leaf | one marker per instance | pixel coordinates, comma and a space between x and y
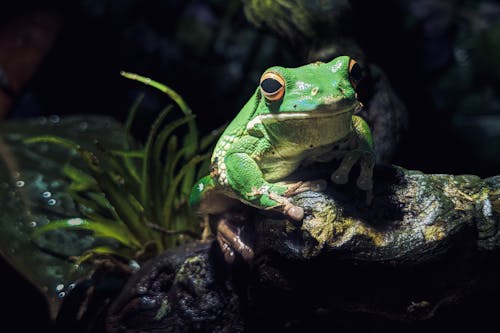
83, 126
54, 119
75, 221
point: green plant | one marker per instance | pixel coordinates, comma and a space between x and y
136, 197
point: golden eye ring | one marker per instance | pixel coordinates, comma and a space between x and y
355, 73
272, 86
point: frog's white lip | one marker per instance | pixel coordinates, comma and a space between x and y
313, 114
283, 116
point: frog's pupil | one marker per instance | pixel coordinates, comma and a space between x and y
270, 86
356, 73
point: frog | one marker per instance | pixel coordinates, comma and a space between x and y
296, 117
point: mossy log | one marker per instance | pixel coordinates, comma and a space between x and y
426, 243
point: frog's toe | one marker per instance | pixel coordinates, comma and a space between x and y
294, 212
299, 187
339, 177
364, 184
286, 207
226, 249
316, 185
231, 242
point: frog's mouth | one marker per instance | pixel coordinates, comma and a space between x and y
284, 116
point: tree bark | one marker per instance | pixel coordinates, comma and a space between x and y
426, 250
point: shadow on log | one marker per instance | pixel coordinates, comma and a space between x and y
424, 254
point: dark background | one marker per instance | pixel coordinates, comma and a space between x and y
209, 53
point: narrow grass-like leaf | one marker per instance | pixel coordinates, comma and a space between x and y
100, 251
132, 112
188, 180
100, 199
128, 153
166, 177
89, 203
103, 229
53, 139
147, 187
80, 181
177, 232
191, 138
115, 196
129, 163
97, 216
175, 183
163, 88
165, 134
114, 165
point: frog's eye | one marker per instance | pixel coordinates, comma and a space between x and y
272, 86
355, 73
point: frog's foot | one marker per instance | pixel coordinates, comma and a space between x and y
365, 179
286, 207
228, 237
341, 175
299, 187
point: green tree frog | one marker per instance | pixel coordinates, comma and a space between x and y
295, 117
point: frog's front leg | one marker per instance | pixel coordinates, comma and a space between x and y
366, 160
244, 177
362, 151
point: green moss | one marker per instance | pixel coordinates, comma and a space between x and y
434, 232
286, 17
330, 226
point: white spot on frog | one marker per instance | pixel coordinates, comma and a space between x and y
301, 85
336, 67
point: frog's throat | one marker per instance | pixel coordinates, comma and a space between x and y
284, 116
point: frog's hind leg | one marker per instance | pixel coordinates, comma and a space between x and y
229, 239
286, 207
302, 186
